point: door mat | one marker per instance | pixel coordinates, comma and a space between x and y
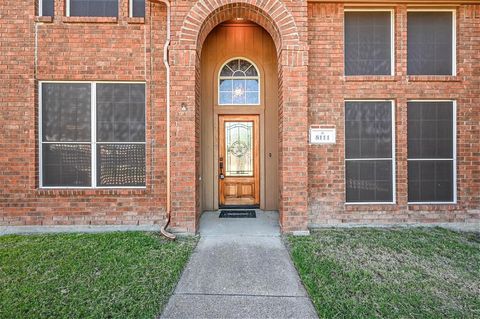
246, 213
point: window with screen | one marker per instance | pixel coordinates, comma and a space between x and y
431, 151
92, 8
239, 83
110, 130
369, 152
137, 8
368, 43
46, 8
430, 43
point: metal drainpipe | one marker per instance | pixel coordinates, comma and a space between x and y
163, 230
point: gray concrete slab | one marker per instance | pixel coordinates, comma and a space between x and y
240, 269
241, 265
266, 224
224, 306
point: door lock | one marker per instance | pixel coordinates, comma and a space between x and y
220, 165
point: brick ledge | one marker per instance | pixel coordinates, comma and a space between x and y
135, 20
44, 19
90, 19
370, 78
433, 78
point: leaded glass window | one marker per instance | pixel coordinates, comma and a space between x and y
239, 83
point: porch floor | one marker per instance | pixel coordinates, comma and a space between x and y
266, 224
240, 269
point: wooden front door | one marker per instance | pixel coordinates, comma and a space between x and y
238, 160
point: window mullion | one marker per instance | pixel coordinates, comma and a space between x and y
94, 134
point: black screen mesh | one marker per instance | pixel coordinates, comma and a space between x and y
47, 8
120, 112
368, 135
66, 112
138, 9
430, 136
121, 165
94, 8
429, 43
368, 129
66, 165
367, 43
369, 181
430, 181
430, 129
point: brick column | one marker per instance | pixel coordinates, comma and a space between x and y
293, 116
182, 140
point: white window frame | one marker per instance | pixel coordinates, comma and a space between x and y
454, 36
67, 9
40, 8
130, 9
454, 153
393, 158
93, 136
258, 77
392, 36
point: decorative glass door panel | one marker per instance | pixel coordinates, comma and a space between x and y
239, 148
238, 160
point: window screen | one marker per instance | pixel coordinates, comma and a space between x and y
66, 134
431, 160
121, 122
368, 151
66, 112
121, 164
47, 8
93, 8
138, 8
430, 43
368, 43
68, 141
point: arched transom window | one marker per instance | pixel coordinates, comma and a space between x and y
239, 83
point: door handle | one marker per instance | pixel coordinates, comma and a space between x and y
220, 165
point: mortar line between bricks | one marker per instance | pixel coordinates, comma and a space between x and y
236, 295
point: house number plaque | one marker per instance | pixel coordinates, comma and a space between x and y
322, 135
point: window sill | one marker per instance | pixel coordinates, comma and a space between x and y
44, 19
90, 19
53, 192
370, 78
433, 78
135, 20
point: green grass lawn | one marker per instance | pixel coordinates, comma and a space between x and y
108, 275
390, 273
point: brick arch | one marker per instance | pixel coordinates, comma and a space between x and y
273, 16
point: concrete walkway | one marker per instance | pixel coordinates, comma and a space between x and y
240, 269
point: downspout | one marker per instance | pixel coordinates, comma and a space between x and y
163, 230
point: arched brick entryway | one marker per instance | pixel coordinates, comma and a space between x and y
185, 51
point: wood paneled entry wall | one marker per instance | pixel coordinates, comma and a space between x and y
227, 42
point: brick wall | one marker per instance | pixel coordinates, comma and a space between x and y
328, 89
309, 41
76, 49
